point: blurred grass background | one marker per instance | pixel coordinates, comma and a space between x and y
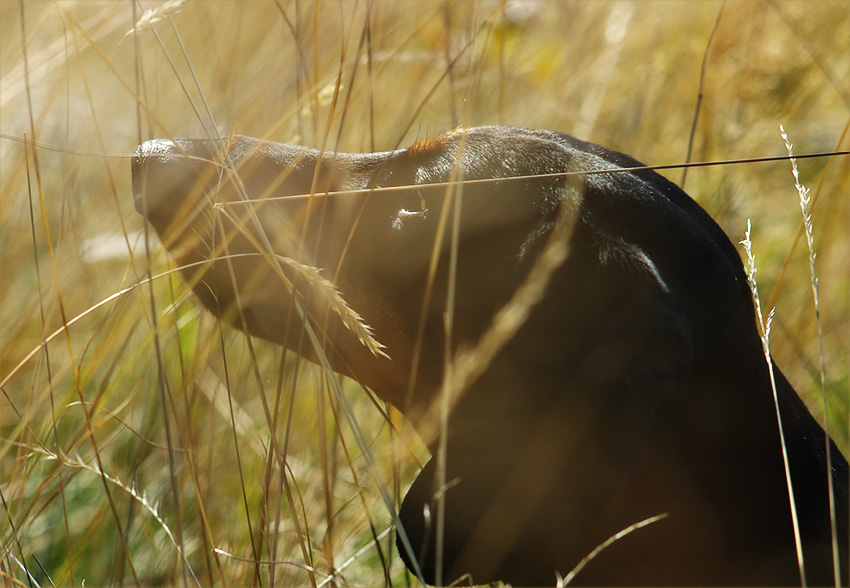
177, 412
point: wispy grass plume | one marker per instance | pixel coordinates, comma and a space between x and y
320, 286
765, 342
152, 16
805, 199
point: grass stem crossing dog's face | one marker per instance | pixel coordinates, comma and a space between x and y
607, 366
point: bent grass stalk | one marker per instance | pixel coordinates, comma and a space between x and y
564, 581
765, 342
140, 498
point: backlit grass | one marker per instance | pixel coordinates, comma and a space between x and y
134, 428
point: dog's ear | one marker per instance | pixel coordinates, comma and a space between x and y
538, 462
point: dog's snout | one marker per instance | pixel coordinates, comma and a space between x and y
150, 152
160, 168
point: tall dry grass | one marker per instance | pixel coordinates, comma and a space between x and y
136, 432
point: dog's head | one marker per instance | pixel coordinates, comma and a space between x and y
269, 234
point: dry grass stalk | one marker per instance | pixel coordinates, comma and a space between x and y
805, 200
469, 364
320, 285
604, 545
141, 498
350, 318
152, 16
765, 341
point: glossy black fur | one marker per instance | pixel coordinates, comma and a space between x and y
637, 385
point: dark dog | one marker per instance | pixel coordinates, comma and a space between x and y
624, 379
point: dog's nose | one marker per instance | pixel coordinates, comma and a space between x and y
155, 149
160, 167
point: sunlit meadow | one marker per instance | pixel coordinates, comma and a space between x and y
140, 440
